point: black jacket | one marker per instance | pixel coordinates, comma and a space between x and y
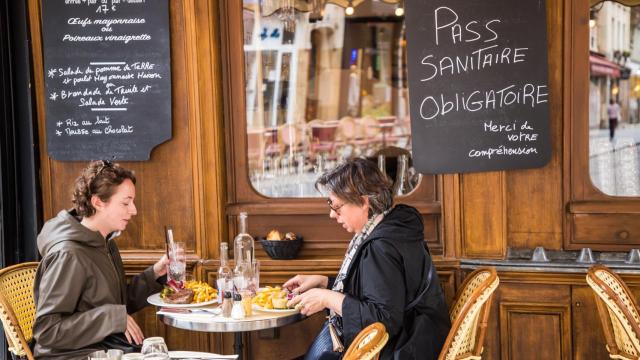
388, 272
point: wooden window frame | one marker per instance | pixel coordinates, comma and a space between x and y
241, 196
593, 219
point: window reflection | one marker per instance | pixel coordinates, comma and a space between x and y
323, 86
614, 96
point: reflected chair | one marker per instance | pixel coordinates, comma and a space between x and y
272, 147
323, 137
293, 137
618, 312
368, 343
367, 131
469, 316
17, 307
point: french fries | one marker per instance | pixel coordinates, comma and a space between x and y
265, 298
202, 292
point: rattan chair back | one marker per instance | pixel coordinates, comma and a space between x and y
469, 316
368, 344
17, 308
618, 312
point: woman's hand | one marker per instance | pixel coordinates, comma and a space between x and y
301, 283
133, 332
160, 268
315, 300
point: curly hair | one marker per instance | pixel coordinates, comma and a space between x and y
100, 178
356, 178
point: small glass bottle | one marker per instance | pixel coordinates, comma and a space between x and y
224, 281
243, 247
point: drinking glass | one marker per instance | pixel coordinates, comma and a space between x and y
255, 275
115, 354
132, 356
177, 261
155, 348
247, 296
98, 355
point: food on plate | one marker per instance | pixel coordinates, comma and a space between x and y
279, 303
202, 292
272, 298
180, 296
187, 292
274, 235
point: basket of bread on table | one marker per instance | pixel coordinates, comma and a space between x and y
281, 246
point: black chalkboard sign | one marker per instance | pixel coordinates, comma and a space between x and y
479, 98
107, 78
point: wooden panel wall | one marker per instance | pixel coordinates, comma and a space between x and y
546, 316
525, 326
181, 184
534, 196
521, 208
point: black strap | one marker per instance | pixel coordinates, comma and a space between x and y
426, 287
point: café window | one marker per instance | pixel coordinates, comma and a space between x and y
614, 98
325, 81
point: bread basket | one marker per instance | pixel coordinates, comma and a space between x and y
282, 249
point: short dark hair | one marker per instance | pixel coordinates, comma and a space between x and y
99, 178
359, 177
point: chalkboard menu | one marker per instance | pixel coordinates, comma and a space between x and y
107, 78
479, 98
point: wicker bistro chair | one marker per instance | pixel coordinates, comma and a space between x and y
368, 344
469, 316
618, 312
17, 308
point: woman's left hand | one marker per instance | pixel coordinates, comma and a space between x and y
160, 268
315, 300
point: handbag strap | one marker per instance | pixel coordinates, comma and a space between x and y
427, 286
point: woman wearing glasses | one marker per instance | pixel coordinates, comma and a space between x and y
387, 275
82, 299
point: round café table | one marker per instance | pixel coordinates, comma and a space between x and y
216, 323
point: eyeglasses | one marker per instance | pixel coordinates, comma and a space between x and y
336, 209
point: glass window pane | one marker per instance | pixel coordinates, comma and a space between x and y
324, 85
614, 96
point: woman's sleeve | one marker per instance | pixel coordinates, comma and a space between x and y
382, 299
140, 287
58, 324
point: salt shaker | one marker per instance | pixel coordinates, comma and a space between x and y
238, 309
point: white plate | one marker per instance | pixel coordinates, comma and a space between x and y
156, 300
277, 311
198, 355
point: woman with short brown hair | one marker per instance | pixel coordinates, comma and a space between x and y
387, 275
82, 299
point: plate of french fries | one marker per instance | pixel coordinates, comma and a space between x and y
200, 294
272, 299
